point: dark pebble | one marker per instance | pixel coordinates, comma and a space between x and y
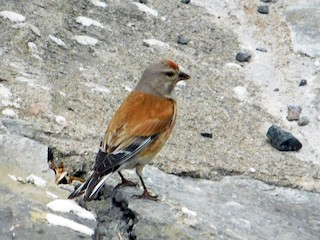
186, 1
264, 9
207, 135
261, 49
283, 140
302, 82
143, 1
243, 56
266, 1
276, 89
182, 40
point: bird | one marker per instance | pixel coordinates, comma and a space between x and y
138, 130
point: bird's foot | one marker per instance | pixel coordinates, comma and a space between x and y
146, 195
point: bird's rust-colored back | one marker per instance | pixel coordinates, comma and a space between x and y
140, 114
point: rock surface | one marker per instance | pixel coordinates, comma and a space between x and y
67, 65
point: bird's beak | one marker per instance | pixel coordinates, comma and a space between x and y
183, 76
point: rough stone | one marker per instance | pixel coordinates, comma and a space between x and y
243, 56
207, 135
263, 9
293, 112
182, 40
283, 140
303, 121
303, 82
178, 217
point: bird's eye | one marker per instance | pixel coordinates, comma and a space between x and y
170, 74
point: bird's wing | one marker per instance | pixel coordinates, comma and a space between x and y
136, 124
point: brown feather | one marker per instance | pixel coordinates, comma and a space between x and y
139, 115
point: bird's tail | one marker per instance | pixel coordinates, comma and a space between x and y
90, 188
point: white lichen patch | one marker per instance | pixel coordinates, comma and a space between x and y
67, 206
9, 113
97, 87
58, 41
37, 181
99, 3
65, 222
85, 40
12, 16
155, 43
146, 9
88, 22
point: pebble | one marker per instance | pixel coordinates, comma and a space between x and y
207, 135
302, 82
186, 1
261, 49
263, 9
283, 140
293, 112
182, 40
143, 1
266, 1
61, 121
303, 121
241, 93
243, 56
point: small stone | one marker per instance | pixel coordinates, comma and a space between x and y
207, 135
303, 121
182, 40
186, 1
276, 89
143, 1
243, 56
61, 121
266, 1
241, 94
283, 140
293, 112
261, 49
263, 9
302, 82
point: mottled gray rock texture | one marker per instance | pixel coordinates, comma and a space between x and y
67, 65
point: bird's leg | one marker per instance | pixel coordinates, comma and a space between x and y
125, 182
146, 194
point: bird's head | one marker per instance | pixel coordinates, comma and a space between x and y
160, 78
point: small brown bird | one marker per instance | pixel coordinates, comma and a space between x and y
139, 129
